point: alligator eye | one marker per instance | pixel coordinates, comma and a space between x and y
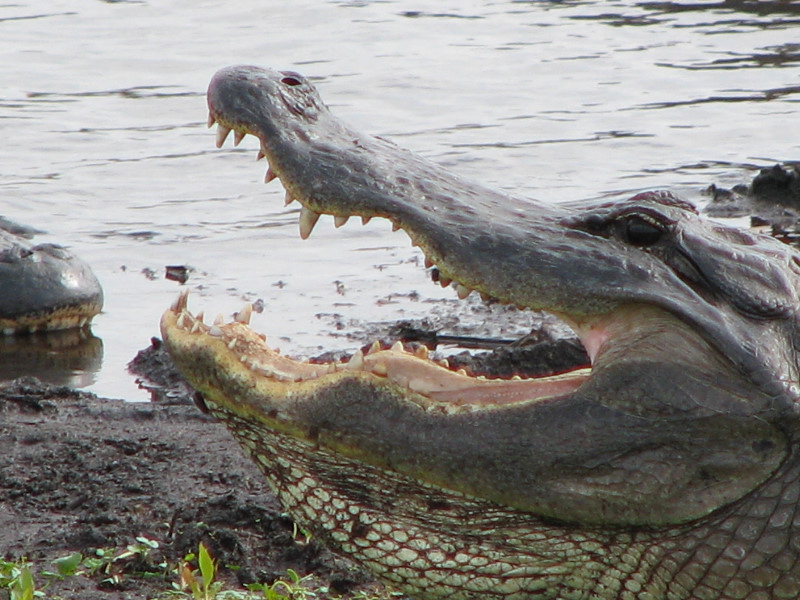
291, 80
642, 232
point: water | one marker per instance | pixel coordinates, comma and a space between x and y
102, 113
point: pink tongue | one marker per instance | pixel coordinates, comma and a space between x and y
511, 392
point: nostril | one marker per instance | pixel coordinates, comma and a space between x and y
290, 80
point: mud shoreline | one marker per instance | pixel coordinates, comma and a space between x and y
82, 473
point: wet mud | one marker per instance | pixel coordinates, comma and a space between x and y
81, 474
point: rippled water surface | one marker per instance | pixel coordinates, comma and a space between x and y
102, 110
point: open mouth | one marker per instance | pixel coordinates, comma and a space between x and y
433, 382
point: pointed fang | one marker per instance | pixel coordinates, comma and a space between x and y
238, 136
270, 175
356, 362
211, 120
287, 198
222, 134
338, 221
308, 218
243, 316
462, 291
181, 301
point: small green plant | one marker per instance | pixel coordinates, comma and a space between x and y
141, 549
203, 587
281, 589
16, 577
66, 566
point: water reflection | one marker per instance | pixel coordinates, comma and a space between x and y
72, 357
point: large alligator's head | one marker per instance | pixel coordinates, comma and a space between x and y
684, 427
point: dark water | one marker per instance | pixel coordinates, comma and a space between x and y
103, 114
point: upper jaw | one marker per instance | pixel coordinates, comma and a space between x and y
465, 229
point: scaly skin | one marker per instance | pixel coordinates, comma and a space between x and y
670, 470
44, 287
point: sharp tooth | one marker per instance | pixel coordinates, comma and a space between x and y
375, 347
421, 352
260, 155
287, 199
485, 297
222, 134
444, 281
211, 120
398, 346
356, 362
215, 331
445, 363
462, 291
196, 326
380, 369
180, 302
308, 218
181, 322
395, 226
462, 372
365, 220
428, 263
339, 220
200, 316
243, 316
238, 136
219, 320
232, 344
270, 175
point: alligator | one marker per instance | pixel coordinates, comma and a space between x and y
668, 469
45, 286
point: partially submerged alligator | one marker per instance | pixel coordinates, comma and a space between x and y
44, 287
668, 470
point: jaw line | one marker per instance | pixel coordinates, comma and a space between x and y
432, 385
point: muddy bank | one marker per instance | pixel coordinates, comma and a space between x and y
81, 473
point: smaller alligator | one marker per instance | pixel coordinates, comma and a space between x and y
44, 287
